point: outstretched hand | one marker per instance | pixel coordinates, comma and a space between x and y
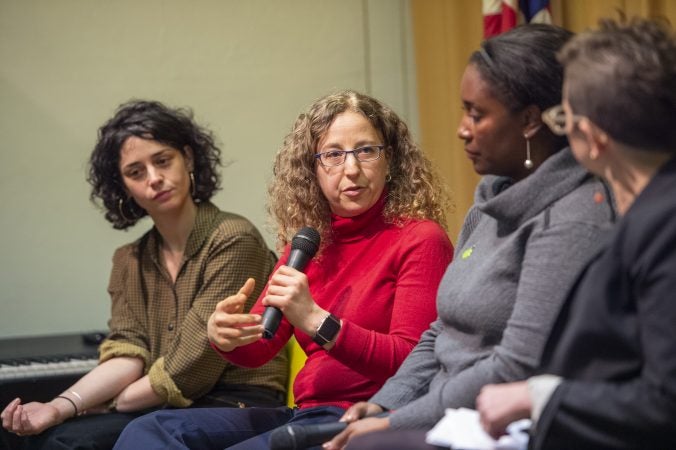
228, 327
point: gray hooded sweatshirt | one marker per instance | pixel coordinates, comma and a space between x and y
521, 248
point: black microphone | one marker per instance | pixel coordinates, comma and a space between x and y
294, 437
304, 246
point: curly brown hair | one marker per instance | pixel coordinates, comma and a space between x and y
148, 120
295, 198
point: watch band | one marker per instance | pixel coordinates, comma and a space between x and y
327, 330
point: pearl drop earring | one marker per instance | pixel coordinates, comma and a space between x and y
528, 163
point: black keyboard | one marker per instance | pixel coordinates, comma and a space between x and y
38, 368
35, 368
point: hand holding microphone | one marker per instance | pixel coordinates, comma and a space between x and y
228, 327
297, 436
361, 418
304, 246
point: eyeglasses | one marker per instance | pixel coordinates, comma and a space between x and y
337, 157
555, 118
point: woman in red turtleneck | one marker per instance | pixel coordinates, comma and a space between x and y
349, 169
379, 279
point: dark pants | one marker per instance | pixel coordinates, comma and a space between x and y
95, 432
217, 428
392, 440
100, 432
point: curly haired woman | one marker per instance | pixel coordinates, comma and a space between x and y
349, 169
156, 161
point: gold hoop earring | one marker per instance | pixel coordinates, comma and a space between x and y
388, 178
119, 208
192, 184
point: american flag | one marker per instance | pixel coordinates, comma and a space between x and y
502, 15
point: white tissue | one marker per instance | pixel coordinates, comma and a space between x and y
460, 429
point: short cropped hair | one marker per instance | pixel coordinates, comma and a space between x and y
295, 198
623, 78
149, 120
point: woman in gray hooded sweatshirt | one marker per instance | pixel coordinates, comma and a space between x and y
537, 219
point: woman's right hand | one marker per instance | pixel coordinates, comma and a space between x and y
501, 404
33, 417
355, 415
360, 410
229, 328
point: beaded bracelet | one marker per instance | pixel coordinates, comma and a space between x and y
77, 413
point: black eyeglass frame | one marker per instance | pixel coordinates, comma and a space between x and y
343, 155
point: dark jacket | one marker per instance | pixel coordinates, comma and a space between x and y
614, 342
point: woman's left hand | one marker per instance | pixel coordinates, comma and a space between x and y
288, 290
357, 428
501, 404
31, 418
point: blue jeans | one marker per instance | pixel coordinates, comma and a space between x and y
217, 428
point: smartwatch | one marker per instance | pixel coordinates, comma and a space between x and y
327, 330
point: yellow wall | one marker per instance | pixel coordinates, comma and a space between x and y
446, 32
578, 15
247, 68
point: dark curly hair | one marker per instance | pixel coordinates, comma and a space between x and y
148, 120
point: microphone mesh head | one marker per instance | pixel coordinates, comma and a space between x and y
307, 240
282, 438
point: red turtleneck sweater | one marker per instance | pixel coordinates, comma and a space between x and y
381, 280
